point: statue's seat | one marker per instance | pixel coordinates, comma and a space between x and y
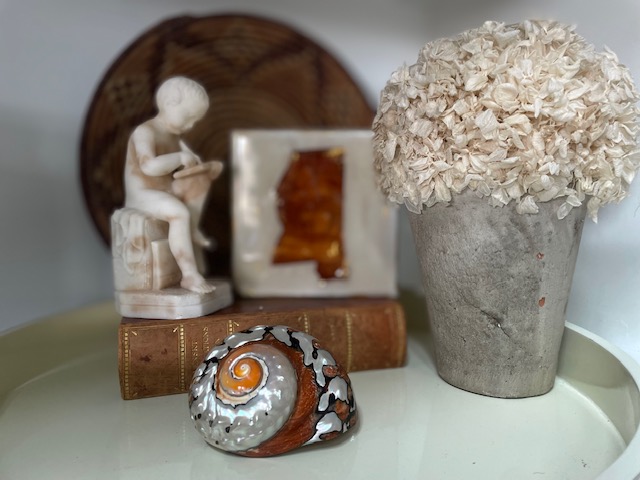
142, 259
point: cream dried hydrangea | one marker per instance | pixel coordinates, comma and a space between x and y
525, 113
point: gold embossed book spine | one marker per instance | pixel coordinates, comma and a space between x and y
159, 357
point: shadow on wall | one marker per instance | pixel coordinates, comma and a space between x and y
417, 318
50, 257
448, 18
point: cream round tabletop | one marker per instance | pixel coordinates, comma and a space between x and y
62, 417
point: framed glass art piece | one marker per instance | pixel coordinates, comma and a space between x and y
308, 219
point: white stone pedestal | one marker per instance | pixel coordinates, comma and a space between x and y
173, 303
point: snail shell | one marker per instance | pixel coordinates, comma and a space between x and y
269, 390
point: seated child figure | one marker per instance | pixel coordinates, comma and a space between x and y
154, 152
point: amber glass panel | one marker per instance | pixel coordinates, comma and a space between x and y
310, 209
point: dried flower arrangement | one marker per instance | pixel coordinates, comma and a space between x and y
527, 112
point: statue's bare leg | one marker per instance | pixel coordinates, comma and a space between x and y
182, 250
193, 194
166, 207
202, 241
197, 236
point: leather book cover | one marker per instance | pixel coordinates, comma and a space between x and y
158, 357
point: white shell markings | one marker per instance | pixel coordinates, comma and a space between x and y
327, 424
314, 357
338, 389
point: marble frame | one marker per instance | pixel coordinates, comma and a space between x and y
259, 159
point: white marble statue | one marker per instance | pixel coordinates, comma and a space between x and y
155, 151
153, 236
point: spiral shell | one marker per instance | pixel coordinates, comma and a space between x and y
268, 390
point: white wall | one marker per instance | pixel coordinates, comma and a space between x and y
53, 52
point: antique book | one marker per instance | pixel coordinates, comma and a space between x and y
158, 357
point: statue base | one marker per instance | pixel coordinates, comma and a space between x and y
173, 303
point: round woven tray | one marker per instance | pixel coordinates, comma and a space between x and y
258, 73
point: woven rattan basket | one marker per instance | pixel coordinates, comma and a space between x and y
258, 73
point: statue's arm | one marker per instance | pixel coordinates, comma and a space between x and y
185, 148
144, 143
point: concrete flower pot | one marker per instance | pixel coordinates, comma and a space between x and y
496, 284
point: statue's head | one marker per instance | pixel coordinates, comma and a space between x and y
181, 103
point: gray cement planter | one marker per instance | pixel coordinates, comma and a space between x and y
496, 285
